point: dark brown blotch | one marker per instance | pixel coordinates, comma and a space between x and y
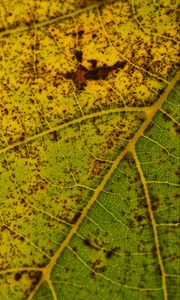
76, 217
176, 128
80, 33
111, 252
78, 55
90, 245
82, 74
97, 266
35, 276
155, 203
93, 63
17, 276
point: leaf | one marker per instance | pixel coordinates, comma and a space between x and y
89, 150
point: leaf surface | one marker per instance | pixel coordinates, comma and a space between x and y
89, 150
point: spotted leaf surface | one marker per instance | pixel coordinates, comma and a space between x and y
89, 150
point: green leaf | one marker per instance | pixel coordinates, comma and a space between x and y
89, 150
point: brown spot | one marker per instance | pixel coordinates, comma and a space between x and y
35, 277
17, 276
82, 75
120, 64
111, 252
176, 128
78, 55
66, 269
166, 118
154, 251
97, 266
140, 218
53, 136
100, 269
150, 126
91, 246
76, 217
80, 33
6, 111
155, 202
69, 75
159, 270
93, 63
101, 72
79, 77
97, 167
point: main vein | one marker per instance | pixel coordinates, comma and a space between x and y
154, 225
129, 148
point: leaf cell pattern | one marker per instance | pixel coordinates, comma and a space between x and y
89, 150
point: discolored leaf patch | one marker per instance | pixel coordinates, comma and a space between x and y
89, 150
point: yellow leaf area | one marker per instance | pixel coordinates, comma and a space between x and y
89, 150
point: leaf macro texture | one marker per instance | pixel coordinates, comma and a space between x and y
89, 147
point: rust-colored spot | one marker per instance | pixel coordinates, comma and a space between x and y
82, 74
